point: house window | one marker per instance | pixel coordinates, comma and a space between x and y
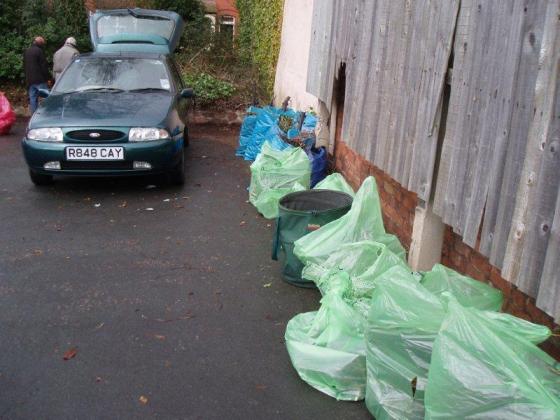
227, 23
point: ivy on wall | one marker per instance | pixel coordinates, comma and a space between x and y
260, 29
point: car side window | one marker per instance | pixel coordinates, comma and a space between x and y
177, 79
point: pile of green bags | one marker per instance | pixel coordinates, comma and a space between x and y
414, 345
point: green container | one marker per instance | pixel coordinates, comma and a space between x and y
299, 213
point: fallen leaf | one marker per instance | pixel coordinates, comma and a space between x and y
242, 223
268, 317
143, 399
178, 206
38, 252
267, 285
159, 337
70, 353
99, 326
123, 204
268, 225
260, 387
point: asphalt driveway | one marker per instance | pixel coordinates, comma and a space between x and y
165, 297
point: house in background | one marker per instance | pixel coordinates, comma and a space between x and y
223, 14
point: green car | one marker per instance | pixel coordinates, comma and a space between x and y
121, 110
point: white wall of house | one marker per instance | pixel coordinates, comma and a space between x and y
291, 70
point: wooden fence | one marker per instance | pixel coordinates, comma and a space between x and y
495, 174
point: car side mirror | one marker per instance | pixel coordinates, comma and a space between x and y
44, 93
187, 93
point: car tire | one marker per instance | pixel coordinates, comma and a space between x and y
40, 179
177, 174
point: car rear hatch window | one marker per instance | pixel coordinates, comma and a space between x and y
135, 30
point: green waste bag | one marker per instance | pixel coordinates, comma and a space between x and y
469, 292
276, 173
484, 369
363, 261
327, 347
362, 222
335, 182
403, 322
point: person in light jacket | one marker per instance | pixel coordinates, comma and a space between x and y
64, 56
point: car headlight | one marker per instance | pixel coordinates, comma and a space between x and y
45, 134
147, 134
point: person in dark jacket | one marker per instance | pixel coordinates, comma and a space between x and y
36, 71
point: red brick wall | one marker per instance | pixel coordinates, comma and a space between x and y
398, 205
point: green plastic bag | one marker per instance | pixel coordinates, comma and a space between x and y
403, 322
327, 347
363, 261
483, 368
470, 292
276, 173
363, 222
335, 182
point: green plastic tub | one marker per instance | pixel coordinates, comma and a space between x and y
299, 213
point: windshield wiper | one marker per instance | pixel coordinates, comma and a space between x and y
104, 89
149, 89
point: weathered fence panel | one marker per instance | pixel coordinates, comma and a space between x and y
396, 55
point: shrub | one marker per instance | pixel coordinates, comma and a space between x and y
260, 29
208, 88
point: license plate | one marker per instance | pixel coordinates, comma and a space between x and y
94, 153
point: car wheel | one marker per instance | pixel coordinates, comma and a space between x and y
186, 139
40, 179
177, 175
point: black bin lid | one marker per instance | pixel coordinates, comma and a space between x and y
315, 201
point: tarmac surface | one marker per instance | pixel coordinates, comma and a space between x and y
176, 312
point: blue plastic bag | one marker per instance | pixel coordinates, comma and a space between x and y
309, 123
247, 128
265, 120
318, 158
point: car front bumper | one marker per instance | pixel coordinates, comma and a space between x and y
162, 155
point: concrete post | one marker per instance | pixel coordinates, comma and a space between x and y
427, 238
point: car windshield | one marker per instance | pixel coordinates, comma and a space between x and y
114, 74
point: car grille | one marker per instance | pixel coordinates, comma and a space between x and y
104, 135
96, 165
